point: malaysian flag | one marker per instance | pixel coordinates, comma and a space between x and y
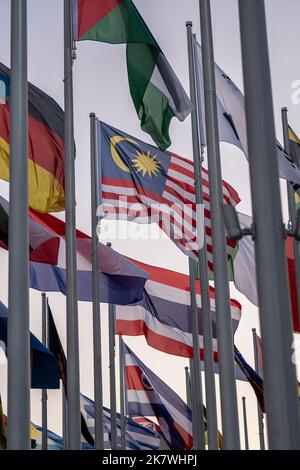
137, 436
148, 395
143, 184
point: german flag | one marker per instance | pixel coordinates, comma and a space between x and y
45, 145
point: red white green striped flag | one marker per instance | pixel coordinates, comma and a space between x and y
157, 93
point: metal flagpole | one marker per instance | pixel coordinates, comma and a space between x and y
122, 394
73, 402
112, 373
292, 205
64, 418
97, 343
18, 319
230, 419
192, 396
212, 425
44, 392
259, 412
188, 387
197, 410
272, 284
245, 423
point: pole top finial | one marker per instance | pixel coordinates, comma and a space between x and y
108, 244
254, 330
189, 23
284, 109
92, 115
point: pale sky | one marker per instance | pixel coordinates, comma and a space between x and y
101, 86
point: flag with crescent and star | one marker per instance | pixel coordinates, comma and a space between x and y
144, 184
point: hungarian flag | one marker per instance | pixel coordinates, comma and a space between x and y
157, 94
45, 146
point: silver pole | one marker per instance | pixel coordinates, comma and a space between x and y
73, 402
18, 319
44, 392
197, 411
188, 387
230, 420
122, 394
112, 373
291, 203
97, 343
273, 294
64, 418
210, 390
192, 397
245, 424
260, 416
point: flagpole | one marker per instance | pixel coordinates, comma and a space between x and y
18, 319
272, 282
192, 395
260, 416
230, 419
73, 402
197, 410
291, 204
122, 394
112, 373
245, 423
97, 343
64, 418
44, 392
188, 387
212, 425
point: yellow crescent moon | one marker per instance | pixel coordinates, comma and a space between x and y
114, 152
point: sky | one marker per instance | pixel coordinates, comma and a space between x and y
101, 86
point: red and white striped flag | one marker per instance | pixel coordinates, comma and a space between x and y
141, 183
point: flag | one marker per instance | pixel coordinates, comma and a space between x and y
164, 314
44, 366
3, 435
148, 395
294, 142
54, 441
156, 92
120, 281
242, 269
232, 121
294, 146
143, 184
57, 349
45, 145
137, 437
254, 379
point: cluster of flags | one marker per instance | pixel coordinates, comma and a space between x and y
145, 184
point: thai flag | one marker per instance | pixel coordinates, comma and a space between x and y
137, 436
164, 314
148, 395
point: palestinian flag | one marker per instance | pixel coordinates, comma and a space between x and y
45, 145
157, 94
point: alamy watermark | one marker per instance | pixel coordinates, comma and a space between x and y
183, 223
